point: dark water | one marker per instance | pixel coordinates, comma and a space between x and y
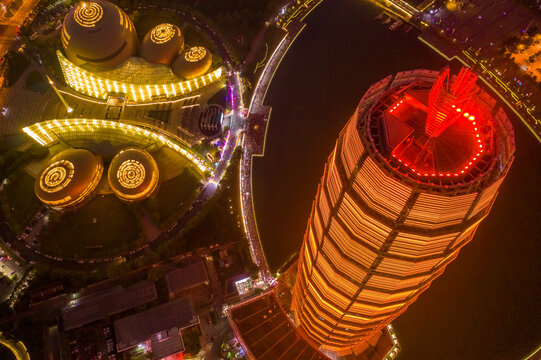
486, 305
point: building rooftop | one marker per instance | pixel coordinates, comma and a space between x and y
446, 131
193, 62
162, 44
138, 328
69, 178
133, 174
267, 334
186, 277
99, 33
95, 307
166, 343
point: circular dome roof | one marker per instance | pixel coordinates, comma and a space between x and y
162, 44
69, 178
194, 62
133, 174
98, 33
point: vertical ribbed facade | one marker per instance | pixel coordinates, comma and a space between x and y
377, 236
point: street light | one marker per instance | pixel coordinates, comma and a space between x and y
69, 109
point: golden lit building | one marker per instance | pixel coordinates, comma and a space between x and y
133, 174
413, 173
193, 62
162, 44
69, 179
138, 79
100, 57
98, 33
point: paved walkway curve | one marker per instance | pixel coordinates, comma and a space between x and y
259, 113
16, 347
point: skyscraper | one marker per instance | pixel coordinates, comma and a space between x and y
413, 173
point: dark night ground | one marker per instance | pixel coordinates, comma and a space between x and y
486, 305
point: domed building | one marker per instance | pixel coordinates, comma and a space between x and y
98, 33
162, 44
69, 179
133, 174
193, 62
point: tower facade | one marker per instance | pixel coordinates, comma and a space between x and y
413, 173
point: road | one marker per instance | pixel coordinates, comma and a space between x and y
222, 329
8, 27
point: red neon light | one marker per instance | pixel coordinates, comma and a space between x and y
459, 171
443, 97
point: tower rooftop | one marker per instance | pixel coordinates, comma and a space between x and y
433, 135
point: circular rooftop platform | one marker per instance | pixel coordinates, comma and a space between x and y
193, 62
465, 152
162, 44
133, 174
69, 178
98, 33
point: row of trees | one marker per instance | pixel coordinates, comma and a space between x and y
12, 159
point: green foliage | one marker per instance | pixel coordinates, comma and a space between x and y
17, 63
191, 342
218, 221
174, 197
5, 280
33, 78
12, 159
19, 203
104, 227
47, 49
239, 17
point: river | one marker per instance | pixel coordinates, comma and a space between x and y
486, 304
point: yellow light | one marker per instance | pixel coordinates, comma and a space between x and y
195, 54
163, 33
92, 84
88, 14
57, 176
130, 174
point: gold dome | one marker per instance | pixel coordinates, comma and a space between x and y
98, 33
133, 174
162, 44
193, 62
69, 178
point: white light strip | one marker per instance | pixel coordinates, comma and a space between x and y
48, 128
91, 84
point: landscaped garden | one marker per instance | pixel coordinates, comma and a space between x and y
104, 227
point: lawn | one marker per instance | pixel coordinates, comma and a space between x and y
104, 227
19, 203
174, 197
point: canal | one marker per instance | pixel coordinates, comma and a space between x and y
486, 304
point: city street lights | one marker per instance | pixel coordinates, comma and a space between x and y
69, 109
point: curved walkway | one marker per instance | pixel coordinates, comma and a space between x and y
255, 135
16, 347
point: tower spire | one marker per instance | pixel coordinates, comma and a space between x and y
447, 101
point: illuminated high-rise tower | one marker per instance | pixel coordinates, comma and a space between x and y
413, 173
